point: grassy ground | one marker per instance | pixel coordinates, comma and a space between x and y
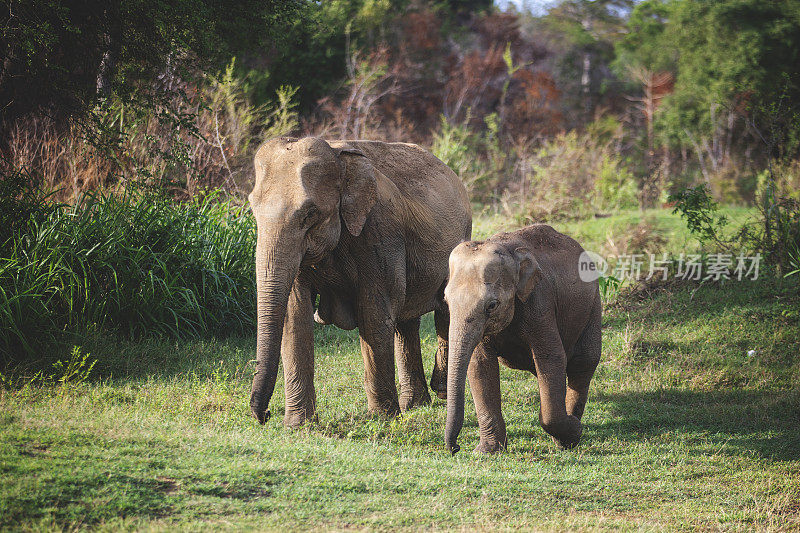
633, 231
683, 430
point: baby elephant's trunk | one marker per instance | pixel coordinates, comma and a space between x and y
463, 341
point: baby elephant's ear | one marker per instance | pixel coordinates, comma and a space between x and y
529, 272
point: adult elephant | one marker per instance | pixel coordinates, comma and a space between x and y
368, 226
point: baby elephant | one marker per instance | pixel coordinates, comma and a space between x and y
518, 298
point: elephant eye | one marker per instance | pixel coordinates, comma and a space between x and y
491, 306
310, 216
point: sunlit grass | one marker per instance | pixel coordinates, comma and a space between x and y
668, 232
684, 429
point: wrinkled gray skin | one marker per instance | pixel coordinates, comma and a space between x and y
517, 298
367, 226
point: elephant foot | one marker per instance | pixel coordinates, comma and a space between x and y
567, 444
490, 447
566, 435
439, 384
386, 410
414, 399
296, 419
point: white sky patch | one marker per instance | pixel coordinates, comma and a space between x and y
535, 7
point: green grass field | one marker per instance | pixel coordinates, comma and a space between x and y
683, 430
663, 230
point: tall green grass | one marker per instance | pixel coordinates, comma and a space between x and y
138, 262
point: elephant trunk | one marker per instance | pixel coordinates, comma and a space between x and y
463, 340
277, 265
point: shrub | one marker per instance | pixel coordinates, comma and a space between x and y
696, 206
459, 148
208, 144
214, 146
794, 260
572, 174
786, 178
776, 234
576, 174
60, 162
615, 185
137, 262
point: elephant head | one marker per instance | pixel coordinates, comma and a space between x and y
304, 191
485, 281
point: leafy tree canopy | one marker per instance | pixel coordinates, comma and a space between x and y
57, 54
742, 54
643, 44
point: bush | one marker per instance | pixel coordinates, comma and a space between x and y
137, 262
209, 144
776, 234
696, 206
615, 185
577, 174
459, 148
572, 174
785, 178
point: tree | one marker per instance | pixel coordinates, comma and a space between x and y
644, 57
61, 57
587, 30
733, 56
644, 45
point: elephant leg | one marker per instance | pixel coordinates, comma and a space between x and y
484, 382
297, 353
551, 365
581, 367
411, 374
441, 319
376, 330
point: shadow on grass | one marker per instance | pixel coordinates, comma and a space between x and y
239, 489
684, 301
68, 479
764, 422
75, 500
161, 356
731, 423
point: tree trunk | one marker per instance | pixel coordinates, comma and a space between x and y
106, 69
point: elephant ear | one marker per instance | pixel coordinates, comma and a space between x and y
529, 272
359, 190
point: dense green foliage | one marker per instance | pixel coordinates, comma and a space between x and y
700, 91
137, 263
727, 55
643, 43
61, 56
